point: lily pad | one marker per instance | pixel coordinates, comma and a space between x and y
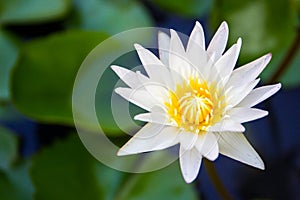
260, 25
72, 173
42, 81
65, 171
32, 11
111, 17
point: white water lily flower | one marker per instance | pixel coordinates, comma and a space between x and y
195, 98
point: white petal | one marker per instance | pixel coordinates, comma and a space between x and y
197, 37
177, 56
128, 76
164, 47
227, 62
157, 91
190, 162
243, 114
227, 125
207, 145
154, 67
149, 60
236, 146
259, 94
150, 138
158, 118
218, 42
141, 98
196, 48
155, 116
187, 139
209, 71
248, 72
237, 94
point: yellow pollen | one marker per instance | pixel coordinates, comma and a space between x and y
192, 105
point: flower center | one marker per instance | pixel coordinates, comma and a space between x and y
191, 106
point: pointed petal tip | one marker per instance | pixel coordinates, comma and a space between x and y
278, 86
120, 90
265, 113
239, 41
173, 32
260, 165
224, 25
121, 153
267, 58
197, 24
137, 46
139, 117
115, 68
117, 90
188, 179
212, 157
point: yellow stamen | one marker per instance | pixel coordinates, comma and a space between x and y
193, 105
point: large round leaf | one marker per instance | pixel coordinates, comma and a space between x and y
29, 11
66, 170
265, 26
109, 16
43, 79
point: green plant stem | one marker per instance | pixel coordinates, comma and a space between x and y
213, 175
287, 59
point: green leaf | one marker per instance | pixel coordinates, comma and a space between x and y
109, 16
8, 148
104, 104
157, 184
262, 29
66, 170
188, 8
43, 79
32, 11
8, 58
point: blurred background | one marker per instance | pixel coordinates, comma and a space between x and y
42, 45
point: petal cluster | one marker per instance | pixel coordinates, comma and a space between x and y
194, 97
